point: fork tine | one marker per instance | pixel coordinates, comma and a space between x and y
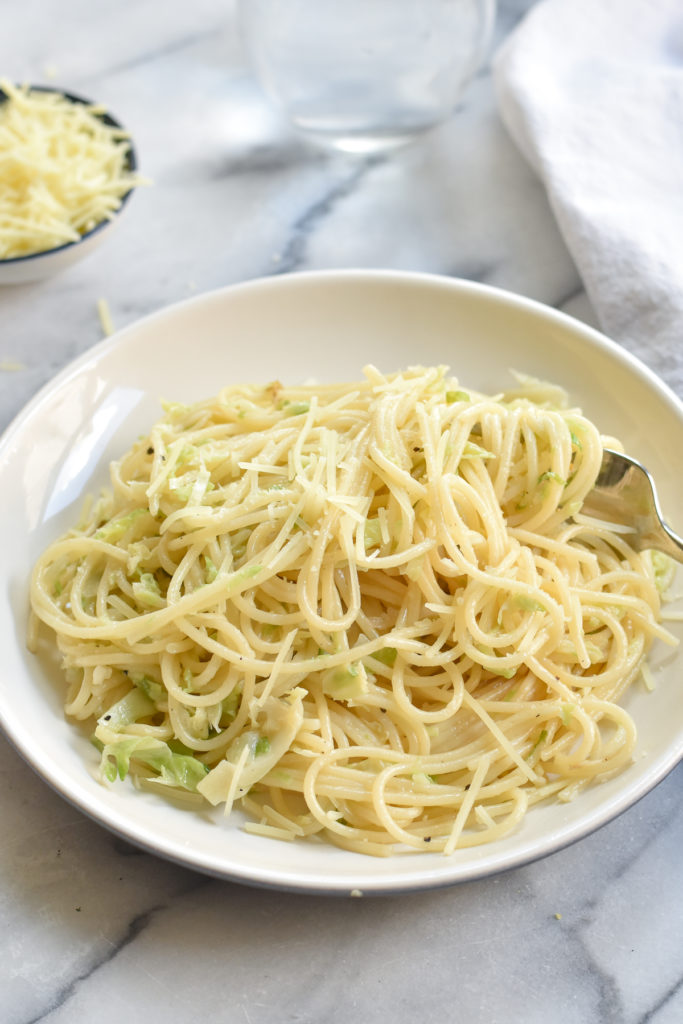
625, 493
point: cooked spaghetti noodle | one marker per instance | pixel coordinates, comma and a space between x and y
370, 612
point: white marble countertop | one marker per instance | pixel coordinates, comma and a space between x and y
94, 930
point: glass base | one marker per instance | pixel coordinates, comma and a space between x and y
361, 142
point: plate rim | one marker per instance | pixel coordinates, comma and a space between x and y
100, 348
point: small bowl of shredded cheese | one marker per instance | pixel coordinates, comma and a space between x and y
67, 169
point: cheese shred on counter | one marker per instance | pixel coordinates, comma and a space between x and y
63, 170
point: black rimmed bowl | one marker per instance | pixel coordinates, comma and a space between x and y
39, 265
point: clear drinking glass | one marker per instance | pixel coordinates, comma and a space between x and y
366, 75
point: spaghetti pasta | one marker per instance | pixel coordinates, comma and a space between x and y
370, 612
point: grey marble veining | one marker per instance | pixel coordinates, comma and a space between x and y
94, 930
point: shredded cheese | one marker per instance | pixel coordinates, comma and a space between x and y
104, 313
63, 170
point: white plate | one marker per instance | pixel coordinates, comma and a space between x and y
326, 326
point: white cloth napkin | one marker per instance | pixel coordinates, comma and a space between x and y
592, 92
